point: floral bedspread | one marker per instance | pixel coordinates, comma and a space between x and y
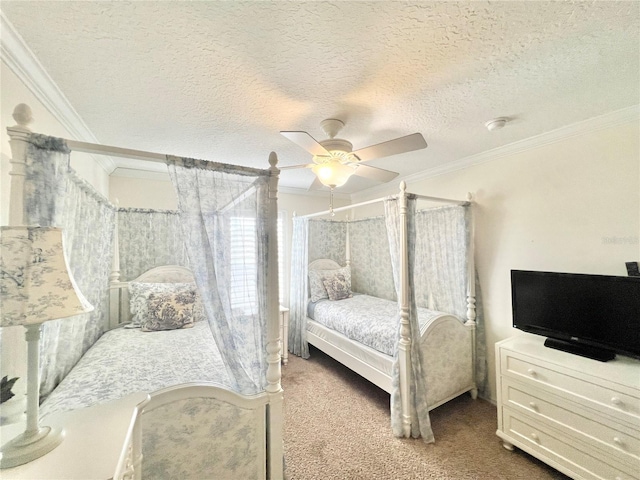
125, 361
371, 321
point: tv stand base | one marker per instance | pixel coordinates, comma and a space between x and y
582, 350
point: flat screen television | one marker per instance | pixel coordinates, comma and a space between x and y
595, 316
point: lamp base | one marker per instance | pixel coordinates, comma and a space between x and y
26, 447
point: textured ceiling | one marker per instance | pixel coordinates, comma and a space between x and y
219, 80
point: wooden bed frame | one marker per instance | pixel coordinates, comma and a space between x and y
466, 331
270, 401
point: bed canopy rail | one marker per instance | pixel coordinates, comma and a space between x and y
19, 139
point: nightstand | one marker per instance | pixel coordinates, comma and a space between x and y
95, 444
284, 333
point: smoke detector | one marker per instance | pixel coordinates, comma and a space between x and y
496, 123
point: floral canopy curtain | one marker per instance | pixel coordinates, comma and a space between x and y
419, 410
56, 196
219, 204
299, 288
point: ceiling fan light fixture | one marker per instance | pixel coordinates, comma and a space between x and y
333, 173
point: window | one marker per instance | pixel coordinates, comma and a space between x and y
243, 267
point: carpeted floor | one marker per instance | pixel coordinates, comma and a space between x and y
337, 427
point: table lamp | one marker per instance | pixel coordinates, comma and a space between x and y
36, 286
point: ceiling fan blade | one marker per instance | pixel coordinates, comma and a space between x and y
306, 141
292, 167
409, 143
374, 173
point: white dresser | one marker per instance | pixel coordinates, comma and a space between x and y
579, 415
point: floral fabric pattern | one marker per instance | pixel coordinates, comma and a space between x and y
338, 287
371, 271
173, 436
148, 239
367, 320
140, 293
125, 361
169, 311
299, 285
317, 280
327, 239
56, 196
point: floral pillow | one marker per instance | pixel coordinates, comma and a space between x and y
139, 299
169, 311
338, 287
317, 287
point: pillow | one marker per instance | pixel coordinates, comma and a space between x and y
169, 311
139, 297
316, 281
338, 287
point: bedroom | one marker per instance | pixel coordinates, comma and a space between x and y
556, 188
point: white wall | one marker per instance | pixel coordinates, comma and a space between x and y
570, 206
13, 92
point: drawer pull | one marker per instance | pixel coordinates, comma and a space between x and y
534, 406
532, 372
616, 401
534, 437
618, 441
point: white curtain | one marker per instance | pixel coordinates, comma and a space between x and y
443, 236
220, 204
299, 288
56, 196
419, 410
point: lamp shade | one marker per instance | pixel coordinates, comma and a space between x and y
35, 282
333, 173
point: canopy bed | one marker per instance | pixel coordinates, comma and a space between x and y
394, 299
200, 351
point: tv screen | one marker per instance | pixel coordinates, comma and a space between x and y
585, 312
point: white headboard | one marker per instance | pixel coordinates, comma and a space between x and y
323, 264
119, 312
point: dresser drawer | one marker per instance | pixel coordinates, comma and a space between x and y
615, 439
576, 387
552, 445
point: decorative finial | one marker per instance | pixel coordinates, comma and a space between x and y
403, 186
469, 197
273, 159
23, 115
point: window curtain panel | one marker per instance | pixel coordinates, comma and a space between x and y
371, 271
299, 288
214, 199
56, 196
419, 410
148, 239
327, 239
442, 275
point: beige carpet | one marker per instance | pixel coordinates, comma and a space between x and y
337, 427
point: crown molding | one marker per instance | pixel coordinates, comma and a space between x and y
584, 127
24, 64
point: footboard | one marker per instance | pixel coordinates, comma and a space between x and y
447, 348
197, 431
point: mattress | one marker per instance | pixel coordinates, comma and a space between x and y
370, 321
125, 361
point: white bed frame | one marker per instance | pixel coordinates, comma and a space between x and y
461, 368
272, 398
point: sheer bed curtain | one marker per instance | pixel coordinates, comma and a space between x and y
56, 196
299, 288
443, 242
214, 201
420, 421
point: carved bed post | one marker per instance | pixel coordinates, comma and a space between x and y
115, 285
274, 389
14, 353
404, 348
471, 293
347, 246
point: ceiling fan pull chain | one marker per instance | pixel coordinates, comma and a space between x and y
333, 214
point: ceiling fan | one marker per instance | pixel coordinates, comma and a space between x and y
334, 160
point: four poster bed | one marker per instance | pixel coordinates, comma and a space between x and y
421, 356
215, 402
